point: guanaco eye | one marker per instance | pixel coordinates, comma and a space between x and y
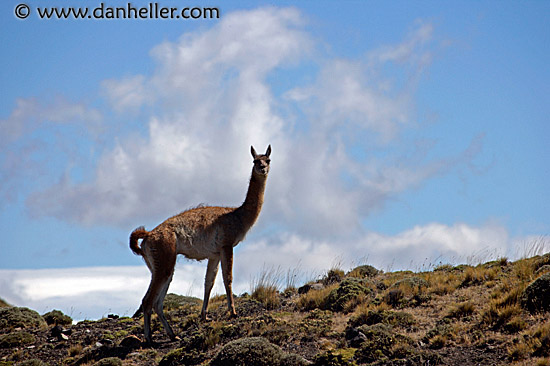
268, 161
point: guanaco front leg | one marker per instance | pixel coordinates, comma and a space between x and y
211, 272
227, 272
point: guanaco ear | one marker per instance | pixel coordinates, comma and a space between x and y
253, 152
268, 151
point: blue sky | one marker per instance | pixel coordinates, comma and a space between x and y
403, 133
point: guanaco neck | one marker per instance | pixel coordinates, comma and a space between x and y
252, 205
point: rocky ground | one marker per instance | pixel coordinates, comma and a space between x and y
495, 313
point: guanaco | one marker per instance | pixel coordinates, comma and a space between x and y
199, 233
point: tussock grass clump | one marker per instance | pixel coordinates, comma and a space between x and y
268, 296
475, 276
315, 299
535, 343
265, 288
462, 310
442, 282
498, 316
409, 291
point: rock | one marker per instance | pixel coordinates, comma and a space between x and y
317, 286
355, 337
536, 296
310, 286
543, 269
14, 317
131, 342
60, 333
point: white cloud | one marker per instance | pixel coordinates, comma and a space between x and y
213, 99
35, 135
126, 95
30, 114
416, 248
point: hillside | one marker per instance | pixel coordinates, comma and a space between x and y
495, 313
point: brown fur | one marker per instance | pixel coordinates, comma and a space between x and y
199, 233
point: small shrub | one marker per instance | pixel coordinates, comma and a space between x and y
182, 356
334, 275
75, 350
57, 317
32, 362
16, 339
364, 271
331, 358
173, 301
440, 334
15, 317
317, 323
347, 291
388, 317
409, 291
254, 351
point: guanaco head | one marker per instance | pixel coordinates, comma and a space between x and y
261, 162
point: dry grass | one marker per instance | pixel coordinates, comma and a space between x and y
463, 314
314, 299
